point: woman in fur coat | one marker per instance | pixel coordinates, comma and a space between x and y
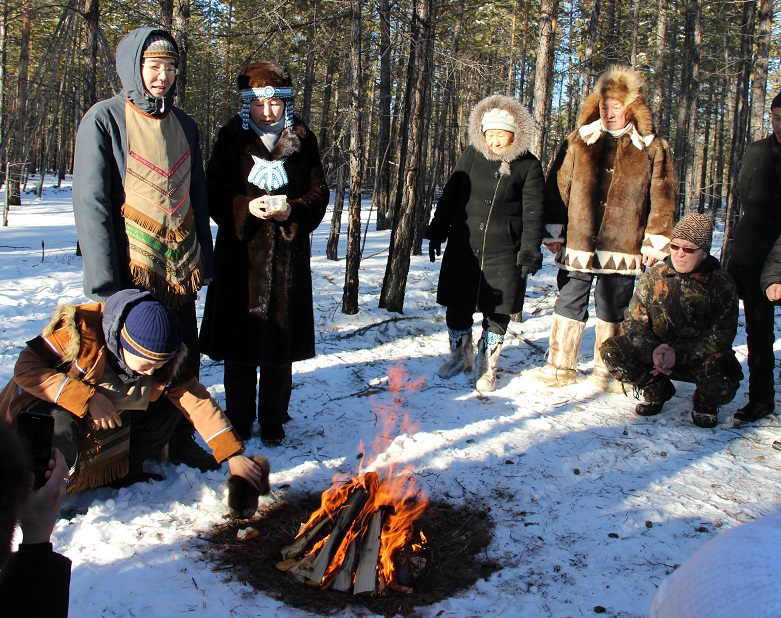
490, 214
610, 209
259, 309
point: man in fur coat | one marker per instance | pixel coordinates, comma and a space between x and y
679, 326
611, 204
757, 229
139, 198
259, 310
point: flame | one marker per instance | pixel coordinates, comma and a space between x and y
396, 494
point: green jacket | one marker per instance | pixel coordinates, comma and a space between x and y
696, 313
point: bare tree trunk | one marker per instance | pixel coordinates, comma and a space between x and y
685, 135
166, 14
91, 20
381, 192
16, 167
182, 34
660, 63
588, 53
739, 119
702, 189
543, 80
397, 269
759, 86
611, 51
635, 28
309, 74
332, 248
510, 89
226, 76
350, 296
3, 74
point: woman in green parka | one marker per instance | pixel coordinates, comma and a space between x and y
491, 215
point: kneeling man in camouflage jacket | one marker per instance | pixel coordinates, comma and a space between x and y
680, 325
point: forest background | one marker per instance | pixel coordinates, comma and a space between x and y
388, 87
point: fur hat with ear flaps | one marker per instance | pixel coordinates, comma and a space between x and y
522, 136
623, 84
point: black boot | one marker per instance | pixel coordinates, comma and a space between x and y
183, 449
272, 435
649, 408
754, 410
705, 417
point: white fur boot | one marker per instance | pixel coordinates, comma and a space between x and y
488, 350
461, 354
601, 375
565, 337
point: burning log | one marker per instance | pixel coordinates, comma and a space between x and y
344, 578
344, 520
366, 573
299, 546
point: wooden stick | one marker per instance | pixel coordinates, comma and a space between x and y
366, 573
344, 520
298, 547
344, 578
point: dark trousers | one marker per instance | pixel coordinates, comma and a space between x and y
149, 432
461, 319
717, 377
612, 294
186, 315
245, 393
760, 337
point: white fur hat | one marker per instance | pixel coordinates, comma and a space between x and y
498, 119
733, 574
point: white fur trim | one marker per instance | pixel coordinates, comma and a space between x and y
591, 132
656, 246
555, 233
583, 261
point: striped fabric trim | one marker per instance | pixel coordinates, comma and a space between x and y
220, 432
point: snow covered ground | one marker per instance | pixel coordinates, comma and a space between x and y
593, 505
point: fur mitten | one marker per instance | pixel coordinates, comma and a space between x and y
242, 496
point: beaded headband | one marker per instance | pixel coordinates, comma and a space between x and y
267, 92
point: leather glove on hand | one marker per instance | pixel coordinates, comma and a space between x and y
434, 248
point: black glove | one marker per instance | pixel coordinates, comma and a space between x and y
434, 248
526, 271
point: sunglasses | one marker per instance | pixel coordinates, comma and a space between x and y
686, 250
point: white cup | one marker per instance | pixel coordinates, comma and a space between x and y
276, 203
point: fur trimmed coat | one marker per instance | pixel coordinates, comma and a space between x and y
259, 309
491, 214
611, 236
66, 365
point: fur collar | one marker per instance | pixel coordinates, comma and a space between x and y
523, 136
288, 144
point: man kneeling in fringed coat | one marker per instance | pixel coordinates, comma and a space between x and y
611, 204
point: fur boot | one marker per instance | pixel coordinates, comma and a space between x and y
488, 350
601, 375
461, 354
565, 337
243, 497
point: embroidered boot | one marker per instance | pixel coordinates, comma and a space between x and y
601, 376
565, 337
461, 354
488, 350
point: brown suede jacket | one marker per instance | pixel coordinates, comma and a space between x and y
67, 364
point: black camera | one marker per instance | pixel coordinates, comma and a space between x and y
35, 430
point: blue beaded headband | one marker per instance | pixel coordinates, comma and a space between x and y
267, 92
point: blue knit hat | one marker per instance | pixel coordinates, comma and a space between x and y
151, 331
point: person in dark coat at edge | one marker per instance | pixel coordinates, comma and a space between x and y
680, 325
35, 580
758, 227
139, 199
491, 215
259, 310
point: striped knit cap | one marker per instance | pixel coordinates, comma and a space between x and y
159, 46
695, 228
151, 331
